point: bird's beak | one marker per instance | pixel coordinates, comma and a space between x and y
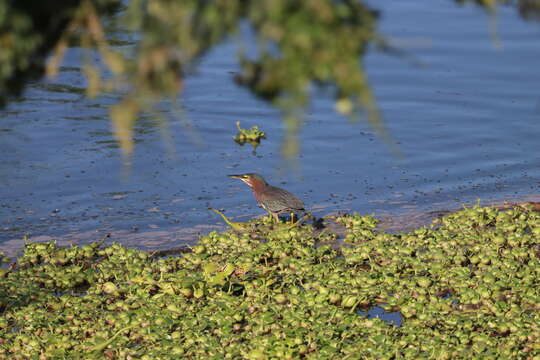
236, 176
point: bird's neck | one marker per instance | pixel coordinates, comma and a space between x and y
258, 186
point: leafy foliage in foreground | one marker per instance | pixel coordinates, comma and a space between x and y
468, 288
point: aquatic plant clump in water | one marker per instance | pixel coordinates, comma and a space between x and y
467, 287
252, 136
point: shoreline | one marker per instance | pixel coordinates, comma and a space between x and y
405, 220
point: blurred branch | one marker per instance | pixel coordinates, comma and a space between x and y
300, 45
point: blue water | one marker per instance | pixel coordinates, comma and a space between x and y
462, 106
392, 317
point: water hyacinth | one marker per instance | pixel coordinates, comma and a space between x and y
466, 287
252, 136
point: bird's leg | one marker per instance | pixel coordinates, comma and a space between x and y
292, 217
276, 217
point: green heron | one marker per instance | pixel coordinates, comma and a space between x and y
272, 199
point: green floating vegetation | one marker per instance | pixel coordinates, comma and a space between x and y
252, 136
467, 288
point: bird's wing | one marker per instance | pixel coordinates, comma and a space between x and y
277, 199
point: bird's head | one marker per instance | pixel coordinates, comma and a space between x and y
253, 180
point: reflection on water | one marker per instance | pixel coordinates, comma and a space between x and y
466, 123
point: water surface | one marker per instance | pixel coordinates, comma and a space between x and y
462, 108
